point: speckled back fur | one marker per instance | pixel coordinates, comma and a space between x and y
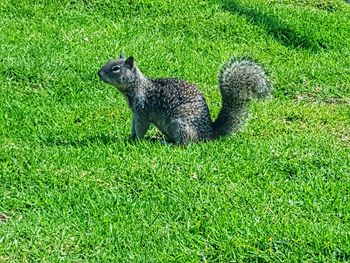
179, 109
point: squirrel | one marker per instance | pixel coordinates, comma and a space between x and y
177, 108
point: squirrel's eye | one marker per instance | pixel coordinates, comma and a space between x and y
115, 68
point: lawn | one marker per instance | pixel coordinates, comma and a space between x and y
73, 188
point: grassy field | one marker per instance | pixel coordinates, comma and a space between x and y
74, 189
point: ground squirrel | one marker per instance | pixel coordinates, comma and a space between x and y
177, 108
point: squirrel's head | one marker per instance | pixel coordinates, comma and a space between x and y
121, 73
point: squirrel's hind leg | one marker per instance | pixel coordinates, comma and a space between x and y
182, 132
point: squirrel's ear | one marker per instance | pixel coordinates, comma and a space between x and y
129, 62
121, 56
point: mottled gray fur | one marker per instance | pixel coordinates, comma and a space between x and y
177, 108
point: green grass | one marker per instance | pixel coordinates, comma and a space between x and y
72, 188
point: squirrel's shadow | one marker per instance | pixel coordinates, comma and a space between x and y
85, 141
98, 139
274, 26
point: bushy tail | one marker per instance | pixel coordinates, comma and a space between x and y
240, 81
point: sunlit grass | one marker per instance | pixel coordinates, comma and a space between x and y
73, 188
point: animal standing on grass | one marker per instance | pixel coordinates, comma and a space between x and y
177, 108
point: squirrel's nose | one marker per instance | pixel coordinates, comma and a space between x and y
99, 73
